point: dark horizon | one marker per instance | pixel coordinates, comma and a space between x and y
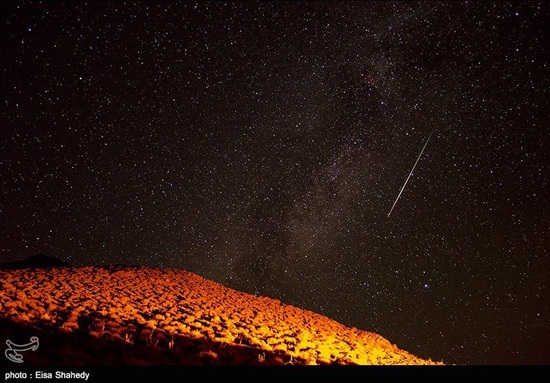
262, 145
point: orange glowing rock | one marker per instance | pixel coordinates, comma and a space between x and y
186, 318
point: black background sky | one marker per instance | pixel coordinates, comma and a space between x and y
261, 145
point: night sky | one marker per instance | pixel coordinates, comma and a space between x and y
262, 145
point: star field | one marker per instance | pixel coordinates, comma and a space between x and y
261, 145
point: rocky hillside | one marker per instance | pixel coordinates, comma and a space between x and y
135, 315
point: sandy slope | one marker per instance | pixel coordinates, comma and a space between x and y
151, 316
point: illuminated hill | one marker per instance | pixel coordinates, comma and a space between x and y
130, 315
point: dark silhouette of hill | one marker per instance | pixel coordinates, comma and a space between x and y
35, 262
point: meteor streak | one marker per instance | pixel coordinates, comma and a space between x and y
412, 170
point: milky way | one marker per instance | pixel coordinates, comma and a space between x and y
261, 145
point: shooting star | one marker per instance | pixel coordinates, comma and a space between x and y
410, 174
